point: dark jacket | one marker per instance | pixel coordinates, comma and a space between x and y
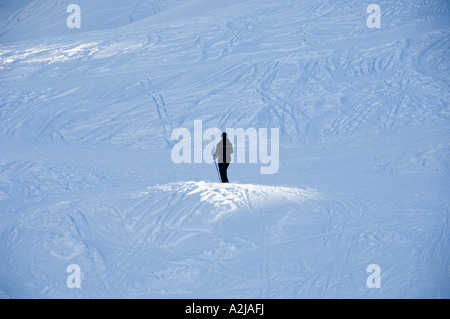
224, 151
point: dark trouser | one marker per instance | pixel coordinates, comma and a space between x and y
223, 172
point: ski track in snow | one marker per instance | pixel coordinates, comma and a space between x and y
85, 126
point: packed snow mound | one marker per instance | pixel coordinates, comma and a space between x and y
231, 197
192, 239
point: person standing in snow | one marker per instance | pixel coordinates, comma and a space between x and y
224, 149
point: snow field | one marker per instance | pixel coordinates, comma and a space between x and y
86, 177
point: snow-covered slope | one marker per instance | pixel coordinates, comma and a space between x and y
30, 19
180, 237
86, 177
